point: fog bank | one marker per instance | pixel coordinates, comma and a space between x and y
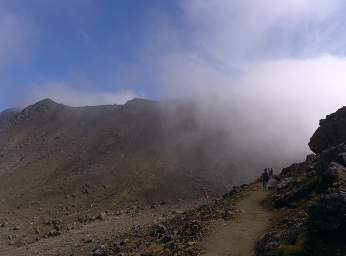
264, 72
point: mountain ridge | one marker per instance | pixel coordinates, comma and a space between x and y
57, 160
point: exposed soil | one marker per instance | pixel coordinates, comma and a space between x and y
84, 239
227, 226
238, 237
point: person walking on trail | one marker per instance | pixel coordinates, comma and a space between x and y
265, 178
271, 173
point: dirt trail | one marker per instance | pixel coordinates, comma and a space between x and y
238, 237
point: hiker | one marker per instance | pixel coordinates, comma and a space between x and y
271, 173
265, 178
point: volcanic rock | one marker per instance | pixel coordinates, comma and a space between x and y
330, 133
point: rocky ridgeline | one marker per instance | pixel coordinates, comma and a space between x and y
311, 197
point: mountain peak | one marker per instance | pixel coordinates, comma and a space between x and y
39, 108
8, 114
46, 102
138, 104
139, 101
9, 111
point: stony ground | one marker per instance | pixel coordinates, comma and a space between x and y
227, 226
223, 227
88, 235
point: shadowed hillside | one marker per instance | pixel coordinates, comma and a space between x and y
64, 159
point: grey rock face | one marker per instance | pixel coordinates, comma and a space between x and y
328, 213
330, 133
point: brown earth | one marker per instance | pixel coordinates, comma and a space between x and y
82, 240
239, 236
62, 165
222, 227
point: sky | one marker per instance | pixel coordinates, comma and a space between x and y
116, 50
76, 46
270, 66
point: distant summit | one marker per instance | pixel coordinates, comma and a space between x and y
39, 109
44, 104
111, 155
47, 102
139, 101
8, 114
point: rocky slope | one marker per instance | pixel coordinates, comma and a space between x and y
66, 171
60, 165
308, 201
181, 235
311, 198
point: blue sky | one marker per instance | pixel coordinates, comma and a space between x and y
88, 52
83, 42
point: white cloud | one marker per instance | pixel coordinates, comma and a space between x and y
261, 70
288, 97
62, 93
233, 32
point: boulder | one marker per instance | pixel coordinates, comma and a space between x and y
272, 184
328, 212
285, 233
331, 132
334, 154
102, 216
99, 251
53, 233
294, 194
336, 172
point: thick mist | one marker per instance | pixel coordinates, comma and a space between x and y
261, 74
270, 112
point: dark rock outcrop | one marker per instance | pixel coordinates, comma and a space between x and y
296, 183
328, 212
315, 193
334, 154
330, 133
285, 234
